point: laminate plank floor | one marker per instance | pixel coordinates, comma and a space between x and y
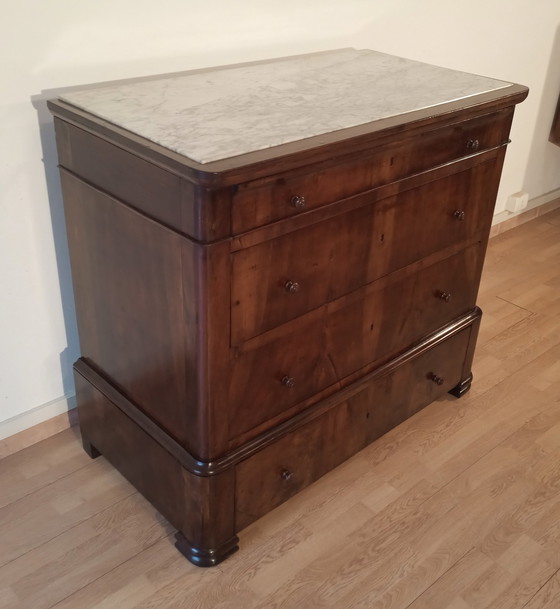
457, 508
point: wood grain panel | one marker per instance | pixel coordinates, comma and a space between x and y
334, 257
128, 275
263, 201
284, 468
201, 508
343, 337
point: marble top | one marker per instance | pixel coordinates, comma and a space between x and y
217, 114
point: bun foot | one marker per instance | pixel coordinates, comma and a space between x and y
461, 388
203, 557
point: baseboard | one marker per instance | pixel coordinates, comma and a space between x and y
538, 206
37, 424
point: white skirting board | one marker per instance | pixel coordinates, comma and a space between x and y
37, 415
533, 204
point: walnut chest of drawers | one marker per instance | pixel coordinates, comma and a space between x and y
273, 265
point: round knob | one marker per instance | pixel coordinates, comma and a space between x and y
288, 381
445, 296
473, 145
436, 379
459, 214
298, 201
292, 287
287, 474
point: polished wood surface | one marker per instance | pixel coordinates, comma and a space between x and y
263, 201
135, 265
457, 507
250, 303
376, 240
282, 469
369, 320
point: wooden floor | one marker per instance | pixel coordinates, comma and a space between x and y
458, 508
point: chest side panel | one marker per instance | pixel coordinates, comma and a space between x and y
136, 305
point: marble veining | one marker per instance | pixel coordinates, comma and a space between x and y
217, 114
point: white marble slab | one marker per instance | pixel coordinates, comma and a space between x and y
214, 115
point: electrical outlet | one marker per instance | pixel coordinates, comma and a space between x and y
517, 201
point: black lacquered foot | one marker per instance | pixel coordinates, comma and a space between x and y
206, 558
461, 388
90, 448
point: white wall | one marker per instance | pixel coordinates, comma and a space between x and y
46, 46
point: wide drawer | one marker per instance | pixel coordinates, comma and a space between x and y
266, 200
285, 467
278, 370
282, 278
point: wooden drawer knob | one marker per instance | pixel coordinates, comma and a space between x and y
292, 287
473, 145
288, 381
287, 475
445, 296
298, 201
459, 214
436, 379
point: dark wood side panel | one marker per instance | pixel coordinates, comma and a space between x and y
279, 471
134, 324
152, 470
201, 508
162, 195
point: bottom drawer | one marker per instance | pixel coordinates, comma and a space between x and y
280, 470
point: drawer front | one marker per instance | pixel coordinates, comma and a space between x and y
282, 469
263, 201
278, 280
277, 371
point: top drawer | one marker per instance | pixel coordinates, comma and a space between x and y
266, 200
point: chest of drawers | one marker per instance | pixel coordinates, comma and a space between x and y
253, 313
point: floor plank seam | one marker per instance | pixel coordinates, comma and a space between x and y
77, 524
481, 457
113, 568
540, 588
45, 485
416, 598
517, 306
